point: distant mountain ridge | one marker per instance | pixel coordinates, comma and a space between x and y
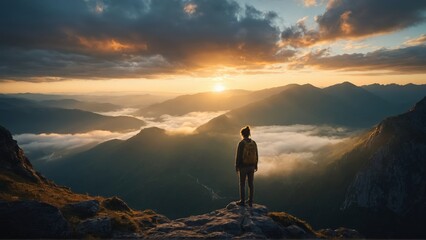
342, 105
208, 101
402, 95
85, 106
25, 116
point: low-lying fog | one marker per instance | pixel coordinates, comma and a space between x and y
280, 147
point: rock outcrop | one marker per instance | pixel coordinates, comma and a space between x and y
239, 222
24, 219
83, 209
13, 160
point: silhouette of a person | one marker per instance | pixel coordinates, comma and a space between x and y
246, 164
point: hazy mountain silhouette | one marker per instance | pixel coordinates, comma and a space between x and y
208, 101
342, 104
25, 116
403, 95
86, 106
126, 100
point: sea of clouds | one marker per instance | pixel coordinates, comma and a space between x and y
52, 144
281, 148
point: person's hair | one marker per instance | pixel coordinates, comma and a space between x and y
245, 131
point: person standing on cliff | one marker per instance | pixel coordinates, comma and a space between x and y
246, 164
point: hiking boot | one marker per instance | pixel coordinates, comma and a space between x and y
241, 203
250, 203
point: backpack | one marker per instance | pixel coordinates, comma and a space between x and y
249, 153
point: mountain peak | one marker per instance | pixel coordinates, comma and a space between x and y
343, 86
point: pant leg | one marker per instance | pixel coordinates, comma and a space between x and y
243, 176
250, 176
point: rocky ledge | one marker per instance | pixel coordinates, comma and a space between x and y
239, 222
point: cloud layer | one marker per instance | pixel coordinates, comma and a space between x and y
410, 59
52, 146
53, 40
284, 148
348, 19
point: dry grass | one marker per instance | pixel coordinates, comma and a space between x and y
14, 188
286, 220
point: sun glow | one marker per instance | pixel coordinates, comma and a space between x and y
218, 88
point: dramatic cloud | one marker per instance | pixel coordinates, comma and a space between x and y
282, 148
357, 18
299, 35
401, 60
131, 38
53, 40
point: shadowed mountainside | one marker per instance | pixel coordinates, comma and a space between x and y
377, 187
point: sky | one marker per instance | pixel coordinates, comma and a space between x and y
182, 46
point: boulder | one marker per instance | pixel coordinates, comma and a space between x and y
32, 219
98, 227
83, 209
340, 233
295, 231
116, 204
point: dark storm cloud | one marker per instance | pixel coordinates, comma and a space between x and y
401, 60
48, 65
357, 18
128, 38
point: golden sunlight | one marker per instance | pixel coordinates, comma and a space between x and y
218, 87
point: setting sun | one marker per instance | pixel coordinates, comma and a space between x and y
218, 88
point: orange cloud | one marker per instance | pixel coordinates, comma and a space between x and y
190, 8
345, 25
109, 45
416, 41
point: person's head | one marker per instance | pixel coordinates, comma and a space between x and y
245, 132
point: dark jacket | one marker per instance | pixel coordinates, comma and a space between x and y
239, 156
